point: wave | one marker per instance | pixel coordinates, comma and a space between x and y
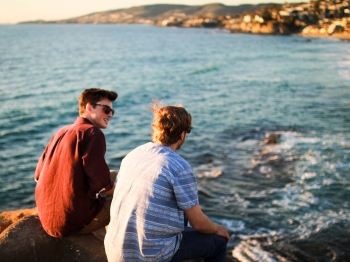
207, 69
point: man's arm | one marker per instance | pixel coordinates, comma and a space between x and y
203, 224
113, 174
95, 167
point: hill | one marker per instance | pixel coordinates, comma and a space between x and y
154, 13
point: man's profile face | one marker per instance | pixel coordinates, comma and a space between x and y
98, 117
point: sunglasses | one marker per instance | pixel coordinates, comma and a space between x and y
106, 108
189, 130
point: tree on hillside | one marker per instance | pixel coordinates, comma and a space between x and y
317, 9
269, 12
266, 14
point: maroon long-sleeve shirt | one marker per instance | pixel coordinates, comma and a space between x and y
70, 172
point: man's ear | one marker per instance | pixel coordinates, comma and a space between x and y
183, 135
88, 108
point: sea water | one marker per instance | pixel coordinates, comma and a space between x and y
286, 201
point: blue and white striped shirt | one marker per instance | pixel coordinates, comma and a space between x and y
154, 186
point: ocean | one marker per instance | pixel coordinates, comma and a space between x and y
282, 201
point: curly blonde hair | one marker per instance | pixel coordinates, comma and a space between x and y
169, 122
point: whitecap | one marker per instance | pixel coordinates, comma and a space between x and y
308, 175
232, 225
311, 159
265, 169
209, 173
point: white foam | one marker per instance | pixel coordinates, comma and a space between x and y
294, 197
231, 224
308, 175
311, 159
265, 169
210, 170
209, 173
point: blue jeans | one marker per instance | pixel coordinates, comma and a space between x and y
210, 247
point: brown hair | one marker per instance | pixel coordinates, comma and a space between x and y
169, 122
94, 95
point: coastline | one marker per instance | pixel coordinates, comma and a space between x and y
340, 36
344, 36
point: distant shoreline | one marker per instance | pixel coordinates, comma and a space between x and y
345, 36
341, 36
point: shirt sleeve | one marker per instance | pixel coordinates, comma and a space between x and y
185, 189
95, 166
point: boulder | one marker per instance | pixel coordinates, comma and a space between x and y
334, 28
26, 240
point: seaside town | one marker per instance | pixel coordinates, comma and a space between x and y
315, 18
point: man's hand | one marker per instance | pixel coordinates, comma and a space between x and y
203, 224
222, 231
113, 175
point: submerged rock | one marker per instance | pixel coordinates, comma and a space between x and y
271, 138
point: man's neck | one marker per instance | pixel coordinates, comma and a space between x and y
172, 147
86, 117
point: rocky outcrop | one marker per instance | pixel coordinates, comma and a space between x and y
22, 238
268, 28
337, 29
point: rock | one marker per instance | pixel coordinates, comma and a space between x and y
313, 30
271, 138
9, 217
270, 27
334, 28
25, 240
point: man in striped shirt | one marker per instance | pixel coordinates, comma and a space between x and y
156, 190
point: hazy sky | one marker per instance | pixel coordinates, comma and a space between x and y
14, 11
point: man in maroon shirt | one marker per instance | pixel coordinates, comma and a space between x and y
72, 175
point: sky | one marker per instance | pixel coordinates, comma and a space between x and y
14, 11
